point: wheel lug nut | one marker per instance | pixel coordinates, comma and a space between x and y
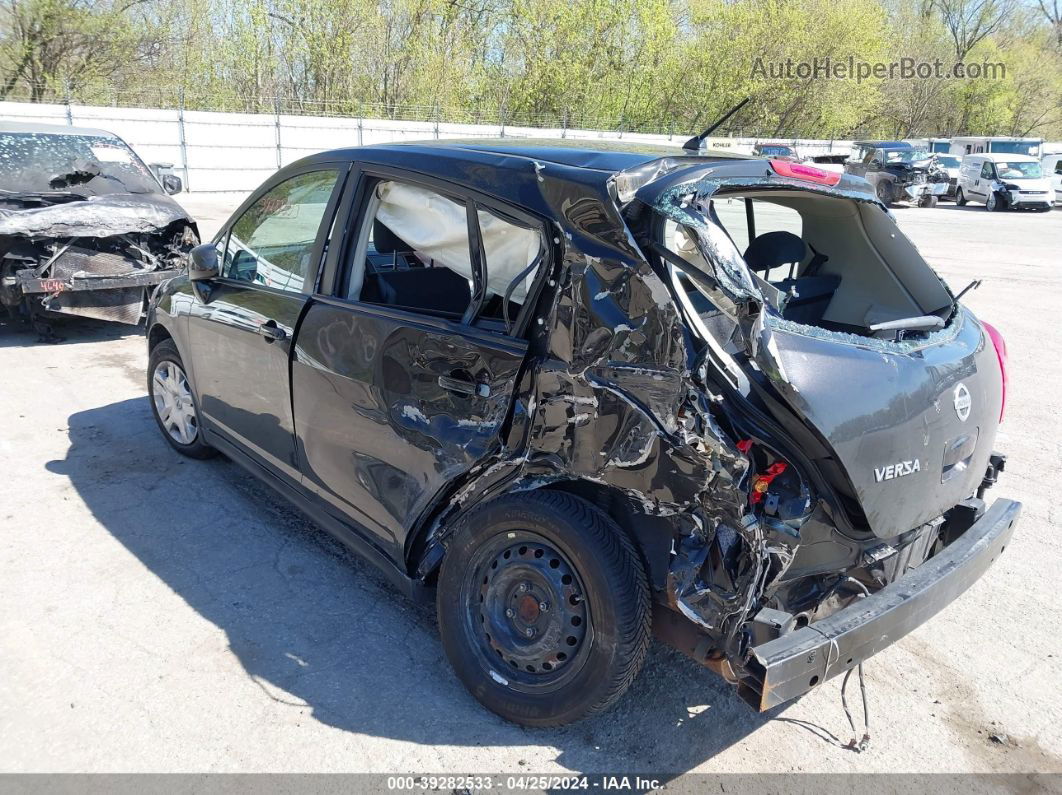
509, 613
530, 632
543, 606
521, 587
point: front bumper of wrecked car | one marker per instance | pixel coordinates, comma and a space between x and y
788, 666
918, 190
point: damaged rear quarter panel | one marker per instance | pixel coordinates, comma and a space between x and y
609, 396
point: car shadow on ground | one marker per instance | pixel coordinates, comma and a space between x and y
319, 630
18, 333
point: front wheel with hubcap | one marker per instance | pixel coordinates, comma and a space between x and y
993, 204
543, 607
960, 198
173, 403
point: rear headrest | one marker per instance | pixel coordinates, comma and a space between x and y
386, 241
773, 249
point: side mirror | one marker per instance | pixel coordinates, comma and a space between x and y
203, 263
172, 184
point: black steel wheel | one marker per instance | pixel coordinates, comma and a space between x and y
543, 607
527, 606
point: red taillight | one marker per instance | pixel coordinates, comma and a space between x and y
784, 168
1001, 354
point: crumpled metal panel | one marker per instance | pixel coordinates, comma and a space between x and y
115, 306
614, 398
101, 216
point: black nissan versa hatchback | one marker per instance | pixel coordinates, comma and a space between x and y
580, 394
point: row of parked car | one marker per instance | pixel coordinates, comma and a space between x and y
1015, 176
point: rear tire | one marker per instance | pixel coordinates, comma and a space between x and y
173, 404
543, 608
960, 199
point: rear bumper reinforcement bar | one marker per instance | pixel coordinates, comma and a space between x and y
792, 664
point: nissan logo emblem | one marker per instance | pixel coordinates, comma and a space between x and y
962, 401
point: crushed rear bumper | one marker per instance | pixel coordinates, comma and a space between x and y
792, 664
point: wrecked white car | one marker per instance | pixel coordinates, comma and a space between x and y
85, 227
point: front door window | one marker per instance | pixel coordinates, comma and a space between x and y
272, 242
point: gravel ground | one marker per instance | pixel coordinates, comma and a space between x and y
159, 614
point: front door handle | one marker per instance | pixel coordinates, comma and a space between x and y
464, 387
271, 331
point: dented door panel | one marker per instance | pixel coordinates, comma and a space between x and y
390, 409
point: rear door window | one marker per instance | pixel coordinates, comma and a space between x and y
423, 251
413, 251
513, 253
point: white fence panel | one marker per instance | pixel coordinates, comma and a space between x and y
221, 152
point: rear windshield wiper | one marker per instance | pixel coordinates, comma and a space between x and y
921, 323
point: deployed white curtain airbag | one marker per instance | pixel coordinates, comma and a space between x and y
436, 227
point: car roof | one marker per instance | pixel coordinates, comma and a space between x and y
607, 156
994, 138
7, 126
1009, 157
528, 172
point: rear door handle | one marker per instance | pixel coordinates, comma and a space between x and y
463, 387
271, 331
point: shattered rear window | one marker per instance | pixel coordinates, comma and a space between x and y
906, 345
845, 302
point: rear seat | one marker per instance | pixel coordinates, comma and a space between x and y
813, 294
439, 289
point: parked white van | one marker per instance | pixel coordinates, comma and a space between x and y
996, 144
1003, 181
1052, 168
